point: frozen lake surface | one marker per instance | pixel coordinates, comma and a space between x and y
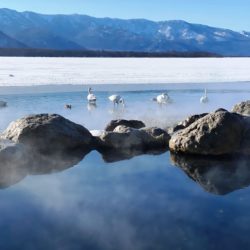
17, 71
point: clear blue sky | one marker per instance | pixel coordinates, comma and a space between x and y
233, 14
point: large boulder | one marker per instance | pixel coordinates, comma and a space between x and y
242, 108
127, 123
48, 133
245, 142
129, 138
217, 133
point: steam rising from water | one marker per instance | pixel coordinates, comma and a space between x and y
143, 203
138, 106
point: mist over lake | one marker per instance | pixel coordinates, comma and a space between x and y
106, 202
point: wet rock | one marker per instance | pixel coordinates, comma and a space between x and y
48, 133
242, 108
127, 123
129, 138
217, 175
217, 133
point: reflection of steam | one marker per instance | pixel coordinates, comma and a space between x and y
216, 175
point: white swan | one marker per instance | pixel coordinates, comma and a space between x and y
204, 99
162, 98
91, 97
116, 99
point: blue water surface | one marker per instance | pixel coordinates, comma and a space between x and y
146, 202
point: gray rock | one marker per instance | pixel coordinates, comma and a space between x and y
217, 133
242, 108
127, 123
48, 133
187, 122
245, 142
156, 138
129, 138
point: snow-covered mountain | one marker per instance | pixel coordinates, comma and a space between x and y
81, 31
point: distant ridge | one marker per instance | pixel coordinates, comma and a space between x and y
8, 42
81, 32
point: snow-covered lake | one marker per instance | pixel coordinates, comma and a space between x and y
43, 71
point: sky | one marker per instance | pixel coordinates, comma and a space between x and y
232, 14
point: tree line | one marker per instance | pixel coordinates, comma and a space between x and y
20, 52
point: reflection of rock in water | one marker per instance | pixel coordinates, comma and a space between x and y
16, 163
111, 155
13, 162
216, 175
47, 164
91, 106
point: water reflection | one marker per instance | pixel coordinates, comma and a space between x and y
91, 106
216, 175
14, 168
117, 112
126, 154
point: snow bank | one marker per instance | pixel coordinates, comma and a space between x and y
43, 71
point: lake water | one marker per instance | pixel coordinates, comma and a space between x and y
147, 202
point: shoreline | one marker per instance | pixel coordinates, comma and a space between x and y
64, 88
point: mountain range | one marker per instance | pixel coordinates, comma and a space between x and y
82, 32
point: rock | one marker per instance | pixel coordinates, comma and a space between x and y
156, 138
242, 108
48, 133
217, 175
245, 142
187, 122
217, 133
127, 123
129, 138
